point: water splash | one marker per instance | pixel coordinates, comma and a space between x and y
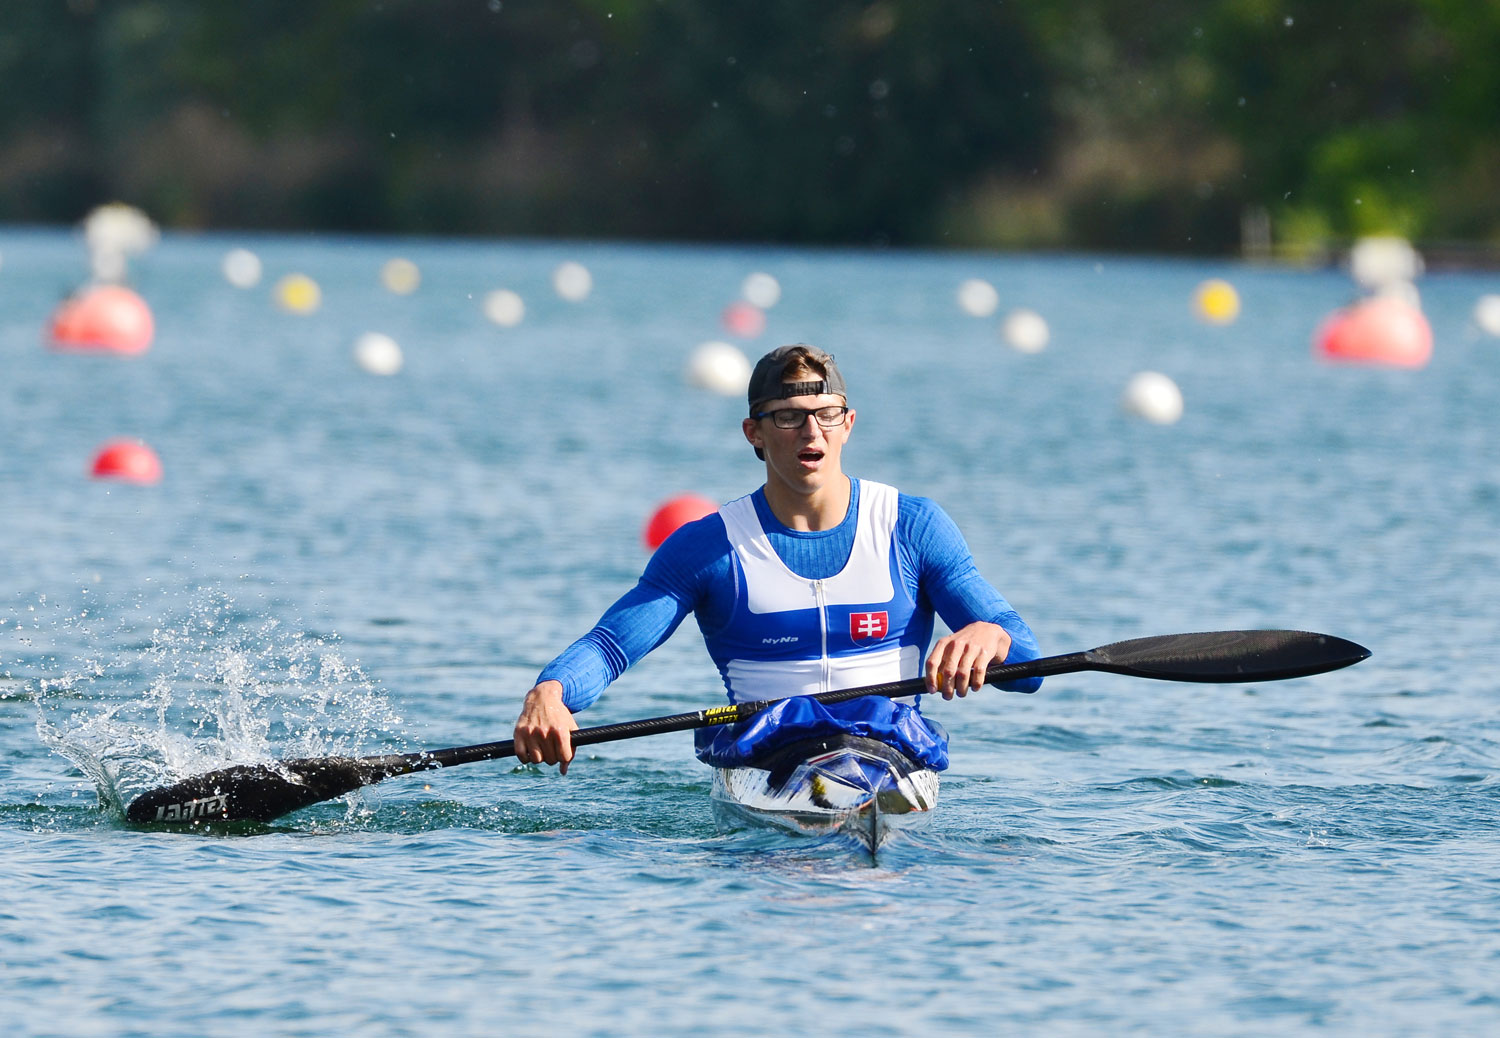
153, 702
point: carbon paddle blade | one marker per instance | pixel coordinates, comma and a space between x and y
258, 792
1223, 656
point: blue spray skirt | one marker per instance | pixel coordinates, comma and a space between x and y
798, 717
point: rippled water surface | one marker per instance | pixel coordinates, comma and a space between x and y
340, 562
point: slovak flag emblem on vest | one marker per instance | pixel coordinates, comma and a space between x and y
869, 625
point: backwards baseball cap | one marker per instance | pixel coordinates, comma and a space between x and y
767, 380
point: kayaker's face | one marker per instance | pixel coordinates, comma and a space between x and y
808, 456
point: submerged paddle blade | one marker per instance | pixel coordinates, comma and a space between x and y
258, 792
1228, 655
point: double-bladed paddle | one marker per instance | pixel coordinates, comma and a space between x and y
261, 792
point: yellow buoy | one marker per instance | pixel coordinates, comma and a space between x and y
1216, 301
298, 293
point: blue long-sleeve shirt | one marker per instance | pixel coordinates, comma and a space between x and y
693, 571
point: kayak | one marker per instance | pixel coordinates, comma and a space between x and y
838, 783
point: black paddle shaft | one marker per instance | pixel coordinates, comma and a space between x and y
262, 792
1205, 657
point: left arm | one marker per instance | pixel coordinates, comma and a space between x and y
985, 627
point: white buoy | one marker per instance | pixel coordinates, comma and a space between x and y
504, 307
572, 281
378, 354
719, 368
762, 290
1402, 290
114, 233
1487, 314
978, 297
242, 268
1026, 331
1376, 262
400, 276
1154, 397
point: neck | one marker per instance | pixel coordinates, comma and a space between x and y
820, 509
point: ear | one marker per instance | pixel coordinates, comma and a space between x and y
751, 429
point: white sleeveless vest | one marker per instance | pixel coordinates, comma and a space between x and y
791, 635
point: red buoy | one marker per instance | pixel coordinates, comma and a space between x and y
679, 510
744, 319
111, 318
130, 461
1382, 330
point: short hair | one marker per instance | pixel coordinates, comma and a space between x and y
800, 364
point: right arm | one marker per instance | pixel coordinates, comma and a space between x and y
985, 626
642, 619
672, 585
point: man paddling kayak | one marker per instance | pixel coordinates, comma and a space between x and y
815, 581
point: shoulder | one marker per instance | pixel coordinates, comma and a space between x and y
915, 511
691, 561
923, 526
700, 539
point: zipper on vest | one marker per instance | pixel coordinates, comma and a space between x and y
823, 630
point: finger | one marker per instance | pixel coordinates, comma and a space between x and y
955, 667
522, 739
976, 676
963, 667
999, 655
934, 677
951, 668
943, 681
978, 669
934, 672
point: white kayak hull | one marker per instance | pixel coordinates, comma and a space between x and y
841, 784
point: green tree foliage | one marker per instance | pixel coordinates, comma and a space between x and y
1366, 117
1076, 123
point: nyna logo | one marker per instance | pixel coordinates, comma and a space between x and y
869, 625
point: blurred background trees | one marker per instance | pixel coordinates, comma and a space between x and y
1204, 126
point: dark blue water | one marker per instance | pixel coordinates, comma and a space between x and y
337, 561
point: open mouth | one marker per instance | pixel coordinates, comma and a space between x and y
811, 455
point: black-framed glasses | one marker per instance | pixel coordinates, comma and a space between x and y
795, 417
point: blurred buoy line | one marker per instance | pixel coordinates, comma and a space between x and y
105, 318
1154, 397
1386, 326
114, 233
377, 353
719, 368
1216, 301
128, 461
1382, 325
674, 513
242, 268
1487, 314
